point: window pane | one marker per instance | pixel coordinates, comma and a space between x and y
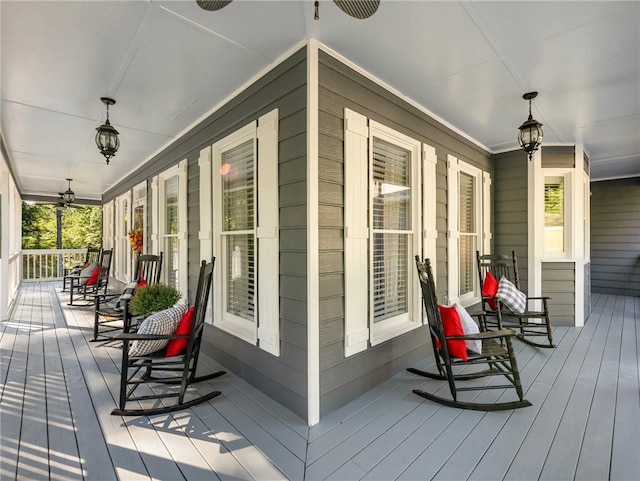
467, 263
171, 261
390, 270
554, 215
240, 274
237, 187
468, 241
391, 186
138, 217
467, 204
171, 205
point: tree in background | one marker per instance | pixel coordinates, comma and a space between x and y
81, 227
38, 226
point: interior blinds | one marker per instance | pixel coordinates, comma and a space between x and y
238, 172
391, 213
467, 232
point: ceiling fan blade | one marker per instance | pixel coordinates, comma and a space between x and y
360, 9
213, 5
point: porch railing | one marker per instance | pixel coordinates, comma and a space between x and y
48, 264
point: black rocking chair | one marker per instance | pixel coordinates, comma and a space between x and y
80, 288
497, 358
92, 255
111, 312
160, 374
531, 324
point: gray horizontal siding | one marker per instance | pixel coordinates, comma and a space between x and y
283, 378
558, 283
342, 379
558, 156
615, 237
510, 224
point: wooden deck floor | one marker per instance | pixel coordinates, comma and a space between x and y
58, 391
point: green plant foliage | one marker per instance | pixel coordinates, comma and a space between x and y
38, 226
82, 227
153, 298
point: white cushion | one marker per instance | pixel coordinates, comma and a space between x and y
511, 297
162, 323
85, 273
469, 326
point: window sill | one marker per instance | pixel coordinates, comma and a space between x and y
379, 336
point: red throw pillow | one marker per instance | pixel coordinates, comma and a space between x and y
489, 289
178, 346
94, 277
142, 283
453, 327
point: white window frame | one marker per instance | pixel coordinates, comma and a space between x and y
264, 330
158, 236
360, 330
122, 249
140, 200
108, 224
569, 218
482, 183
389, 328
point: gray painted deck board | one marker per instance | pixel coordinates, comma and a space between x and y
582, 425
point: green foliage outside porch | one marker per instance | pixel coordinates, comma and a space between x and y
80, 227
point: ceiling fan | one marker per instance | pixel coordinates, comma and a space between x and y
67, 198
359, 9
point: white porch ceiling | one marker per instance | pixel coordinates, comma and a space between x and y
169, 63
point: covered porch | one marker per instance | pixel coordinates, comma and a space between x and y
58, 391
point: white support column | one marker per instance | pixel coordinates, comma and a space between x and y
205, 235
6, 254
429, 202
155, 215
486, 218
535, 236
453, 234
313, 262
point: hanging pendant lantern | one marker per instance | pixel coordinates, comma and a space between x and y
107, 137
530, 135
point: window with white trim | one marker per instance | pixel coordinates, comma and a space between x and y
468, 218
139, 214
108, 225
383, 231
244, 196
558, 199
122, 249
170, 217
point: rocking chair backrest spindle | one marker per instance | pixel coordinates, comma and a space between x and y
148, 267
500, 265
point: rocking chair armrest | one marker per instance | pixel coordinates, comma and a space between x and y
485, 335
542, 298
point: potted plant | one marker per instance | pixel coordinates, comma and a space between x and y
153, 298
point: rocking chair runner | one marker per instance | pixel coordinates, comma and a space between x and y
80, 286
180, 371
497, 356
112, 310
532, 323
